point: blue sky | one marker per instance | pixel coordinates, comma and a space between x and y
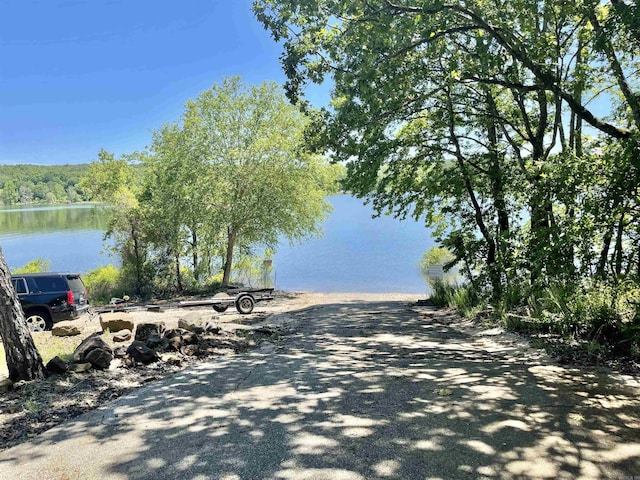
80, 75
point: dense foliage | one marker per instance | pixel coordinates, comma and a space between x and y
511, 127
34, 266
28, 184
228, 179
103, 283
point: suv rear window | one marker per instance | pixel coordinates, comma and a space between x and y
75, 284
51, 284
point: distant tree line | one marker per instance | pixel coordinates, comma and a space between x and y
32, 184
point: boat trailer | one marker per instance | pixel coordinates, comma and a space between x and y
244, 299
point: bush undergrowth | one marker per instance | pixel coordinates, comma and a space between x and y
602, 320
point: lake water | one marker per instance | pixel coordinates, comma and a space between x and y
356, 254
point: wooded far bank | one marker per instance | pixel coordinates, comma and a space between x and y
41, 184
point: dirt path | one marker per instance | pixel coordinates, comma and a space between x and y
362, 387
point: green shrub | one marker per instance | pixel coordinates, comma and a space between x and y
103, 283
213, 282
438, 256
189, 283
462, 297
602, 315
467, 301
441, 293
34, 266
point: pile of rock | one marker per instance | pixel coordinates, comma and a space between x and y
152, 342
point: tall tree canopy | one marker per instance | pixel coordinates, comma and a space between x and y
511, 126
236, 172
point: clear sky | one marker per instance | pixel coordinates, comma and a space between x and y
80, 75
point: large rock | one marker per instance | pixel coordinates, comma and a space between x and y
116, 321
176, 338
65, 329
140, 353
174, 332
190, 350
5, 385
175, 343
99, 359
145, 330
57, 365
190, 338
156, 342
122, 336
192, 326
93, 341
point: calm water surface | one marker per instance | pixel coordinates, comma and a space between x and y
356, 253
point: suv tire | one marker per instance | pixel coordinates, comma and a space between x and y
38, 320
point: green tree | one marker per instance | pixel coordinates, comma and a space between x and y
251, 181
9, 192
176, 200
40, 183
115, 182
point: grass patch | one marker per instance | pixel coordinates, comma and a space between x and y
48, 346
539, 344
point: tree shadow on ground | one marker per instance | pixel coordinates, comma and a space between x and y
359, 391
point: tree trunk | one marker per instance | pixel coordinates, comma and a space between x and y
137, 255
539, 238
495, 171
604, 253
178, 274
606, 244
194, 252
492, 266
23, 360
231, 240
619, 249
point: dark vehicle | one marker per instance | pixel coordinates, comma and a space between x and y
47, 298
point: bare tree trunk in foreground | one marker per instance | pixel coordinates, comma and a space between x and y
23, 358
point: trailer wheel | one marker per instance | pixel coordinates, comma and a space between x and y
244, 304
220, 308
